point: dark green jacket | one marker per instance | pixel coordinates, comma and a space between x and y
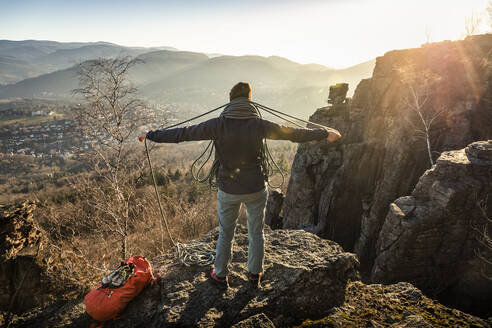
238, 145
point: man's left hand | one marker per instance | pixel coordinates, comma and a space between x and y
333, 136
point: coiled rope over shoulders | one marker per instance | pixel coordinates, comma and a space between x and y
200, 253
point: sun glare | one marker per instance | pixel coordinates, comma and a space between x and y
332, 33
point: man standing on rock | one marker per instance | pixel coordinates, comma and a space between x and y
238, 135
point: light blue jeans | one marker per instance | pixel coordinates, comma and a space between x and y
228, 206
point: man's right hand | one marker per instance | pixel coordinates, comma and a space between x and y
333, 136
142, 136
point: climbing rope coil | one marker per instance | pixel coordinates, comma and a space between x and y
200, 253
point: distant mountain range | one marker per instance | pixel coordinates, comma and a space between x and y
30, 58
45, 69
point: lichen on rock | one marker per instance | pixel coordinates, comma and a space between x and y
397, 306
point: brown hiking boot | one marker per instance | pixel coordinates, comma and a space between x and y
218, 281
255, 279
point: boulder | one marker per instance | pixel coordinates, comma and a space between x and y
432, 237
304, 277
297, 265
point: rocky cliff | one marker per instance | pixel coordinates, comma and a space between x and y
432, 237
347, 191
343, 191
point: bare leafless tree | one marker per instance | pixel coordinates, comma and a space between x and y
472, 24
489, 12
428, 34
108, 119
420, 88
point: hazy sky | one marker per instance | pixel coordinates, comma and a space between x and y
335, 33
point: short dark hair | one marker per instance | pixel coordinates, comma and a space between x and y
241, 89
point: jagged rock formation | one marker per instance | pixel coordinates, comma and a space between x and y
304, 276
342, 191
338, 93
397, 306
431, 237
21, 282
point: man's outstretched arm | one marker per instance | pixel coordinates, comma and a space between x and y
279, 132
202, 131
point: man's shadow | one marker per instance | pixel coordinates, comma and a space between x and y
229, 302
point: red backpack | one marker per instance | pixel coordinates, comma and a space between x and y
109, 299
